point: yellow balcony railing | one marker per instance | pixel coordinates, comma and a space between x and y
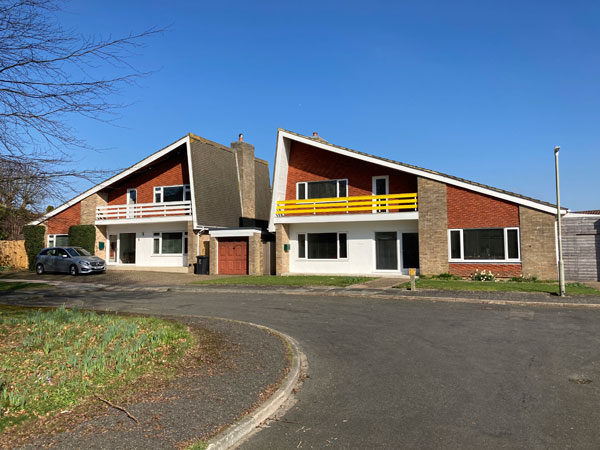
363, 203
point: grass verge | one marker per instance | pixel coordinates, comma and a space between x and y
501, 286
57, 359
18, 285
293, 280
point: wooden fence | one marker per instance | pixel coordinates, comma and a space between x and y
13, 254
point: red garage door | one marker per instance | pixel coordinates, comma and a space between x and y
233, 256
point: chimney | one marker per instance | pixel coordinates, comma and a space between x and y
244, 154
315, 134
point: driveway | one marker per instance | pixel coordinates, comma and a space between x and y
406, 374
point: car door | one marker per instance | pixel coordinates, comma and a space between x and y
48, 260
62, 260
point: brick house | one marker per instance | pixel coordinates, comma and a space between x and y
193, 197
339, 211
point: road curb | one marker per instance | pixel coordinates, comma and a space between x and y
275, 406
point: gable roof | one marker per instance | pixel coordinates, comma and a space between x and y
104, 184
214, 181
422, 172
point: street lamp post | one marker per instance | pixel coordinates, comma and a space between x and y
561, 265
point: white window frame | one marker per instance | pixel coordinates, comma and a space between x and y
158, 235
337, 188
160, 190
306, 258
483, 261
52, 237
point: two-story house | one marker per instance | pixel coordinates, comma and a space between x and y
159, 213
340, 211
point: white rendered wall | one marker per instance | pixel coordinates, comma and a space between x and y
144, 243
361, 247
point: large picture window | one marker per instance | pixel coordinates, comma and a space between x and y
322, 189
484, 244
171, 243
322, 245
164, 194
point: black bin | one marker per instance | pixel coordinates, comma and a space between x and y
201, 266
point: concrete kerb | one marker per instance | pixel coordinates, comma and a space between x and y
277, 404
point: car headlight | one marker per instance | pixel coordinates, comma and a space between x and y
84, 264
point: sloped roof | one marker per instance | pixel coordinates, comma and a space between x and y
427, 171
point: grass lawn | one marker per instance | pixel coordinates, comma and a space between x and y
54, 360
18, 285
525, 286
295, 280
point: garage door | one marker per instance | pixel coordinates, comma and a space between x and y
233, 256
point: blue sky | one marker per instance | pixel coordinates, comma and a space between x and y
478, 89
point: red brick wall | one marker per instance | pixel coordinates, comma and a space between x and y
60, 223
170, 172
308, 163
467, 209
499, 270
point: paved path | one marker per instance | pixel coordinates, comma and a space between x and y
402, 374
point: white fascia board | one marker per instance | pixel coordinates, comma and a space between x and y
279, 177
233, 233
146, 220
422, 173
411, 215
144, 162
577, 215
188, 144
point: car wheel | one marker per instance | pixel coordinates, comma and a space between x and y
39, 269
73, 270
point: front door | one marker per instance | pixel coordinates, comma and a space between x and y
410, 250
386, 250
233, 256
127, 248
112, 248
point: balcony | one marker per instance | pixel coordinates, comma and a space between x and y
144, 212
378, 207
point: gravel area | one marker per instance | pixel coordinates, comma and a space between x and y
195, 405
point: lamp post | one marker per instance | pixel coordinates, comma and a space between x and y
561, 265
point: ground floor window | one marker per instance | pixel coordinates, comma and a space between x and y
58, 240
484, 244
170, 243
323, 245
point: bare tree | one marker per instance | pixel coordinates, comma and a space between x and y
48, 75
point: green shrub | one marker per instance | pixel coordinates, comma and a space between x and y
34, 241
83, 236
447, 276
483, 276
528, 278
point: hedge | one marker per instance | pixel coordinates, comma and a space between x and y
34, 241
83, 236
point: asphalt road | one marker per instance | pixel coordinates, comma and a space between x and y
390, 374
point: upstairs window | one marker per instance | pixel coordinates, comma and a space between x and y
484, 244
164, 194
321, 189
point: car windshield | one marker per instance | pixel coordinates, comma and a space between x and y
78, 251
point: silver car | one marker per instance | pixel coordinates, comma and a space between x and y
73, 260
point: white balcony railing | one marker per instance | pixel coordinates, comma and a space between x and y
143, 211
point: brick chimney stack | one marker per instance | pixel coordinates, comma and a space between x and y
244, 153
